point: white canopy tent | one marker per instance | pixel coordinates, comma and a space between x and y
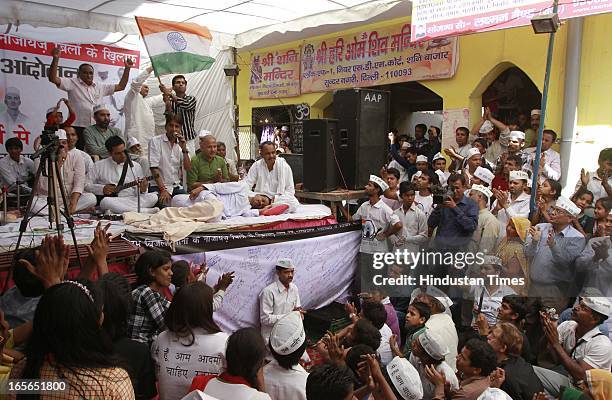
243, 24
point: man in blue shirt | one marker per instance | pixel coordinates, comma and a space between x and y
456, 218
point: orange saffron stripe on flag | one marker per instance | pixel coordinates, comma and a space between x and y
148, 26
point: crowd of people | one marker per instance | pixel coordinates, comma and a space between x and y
532, 323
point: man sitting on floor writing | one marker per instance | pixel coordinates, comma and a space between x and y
110, 174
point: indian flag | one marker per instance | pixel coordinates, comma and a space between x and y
175, 47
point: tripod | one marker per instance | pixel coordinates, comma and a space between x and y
49, 167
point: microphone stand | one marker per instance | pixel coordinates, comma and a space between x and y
131, 164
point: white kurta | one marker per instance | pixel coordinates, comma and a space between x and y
282, 384
87, 160
12, 171
552, 164
139, 119
108, 172
279, 181
276, 301
168, 158
516, 208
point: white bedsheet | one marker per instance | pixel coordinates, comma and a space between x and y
303, 212
38, 228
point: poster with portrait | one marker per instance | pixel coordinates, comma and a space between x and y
26, 93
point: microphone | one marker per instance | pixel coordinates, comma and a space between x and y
129, 159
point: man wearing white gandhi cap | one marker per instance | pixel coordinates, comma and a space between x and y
95, 136
515, 202
284, 376
579, 344
430, 349
553, 248
405, 381
279, 298
378, 222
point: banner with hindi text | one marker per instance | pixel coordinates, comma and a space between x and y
26, 93
275, 74
437, 18
376, 57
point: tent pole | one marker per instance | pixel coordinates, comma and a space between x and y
538, 152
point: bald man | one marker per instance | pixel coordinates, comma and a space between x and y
12, 117
207, 166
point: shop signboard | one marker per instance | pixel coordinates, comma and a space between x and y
441, 18
374, 57
275, 74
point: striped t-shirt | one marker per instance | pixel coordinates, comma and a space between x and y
186, 106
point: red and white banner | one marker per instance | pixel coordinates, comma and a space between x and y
26, 93
438, 18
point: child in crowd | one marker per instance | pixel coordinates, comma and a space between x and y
602, 209
583, 198
391, 195
414, 324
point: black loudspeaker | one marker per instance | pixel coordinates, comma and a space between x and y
296, 162
320, 167
363, 124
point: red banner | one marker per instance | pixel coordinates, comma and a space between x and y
91, 53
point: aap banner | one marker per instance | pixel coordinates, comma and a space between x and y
26, 93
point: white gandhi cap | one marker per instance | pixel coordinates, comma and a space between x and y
486, 127
100, 107
132, 141
405, 379
379, 181
288, 334
472, 152
494, 394
518, 175
433, 344
203, 133
566, 204
483, 189
285, 263
484, 175
61, 134
599, 304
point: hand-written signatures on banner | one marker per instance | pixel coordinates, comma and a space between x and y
275, 74
94, 53
375, 58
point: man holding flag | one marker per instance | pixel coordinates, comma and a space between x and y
177, 48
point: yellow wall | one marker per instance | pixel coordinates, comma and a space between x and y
482, 57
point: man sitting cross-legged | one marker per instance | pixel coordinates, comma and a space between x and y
106, 175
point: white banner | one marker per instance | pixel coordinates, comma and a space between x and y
27, 94
324, 271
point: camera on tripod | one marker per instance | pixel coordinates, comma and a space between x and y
48, 137
441, 194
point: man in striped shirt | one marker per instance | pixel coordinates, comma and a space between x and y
178, 102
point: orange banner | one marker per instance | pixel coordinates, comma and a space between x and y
275, 74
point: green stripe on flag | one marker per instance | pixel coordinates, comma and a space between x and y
180, 63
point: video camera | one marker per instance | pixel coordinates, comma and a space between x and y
48, 137
440, 194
